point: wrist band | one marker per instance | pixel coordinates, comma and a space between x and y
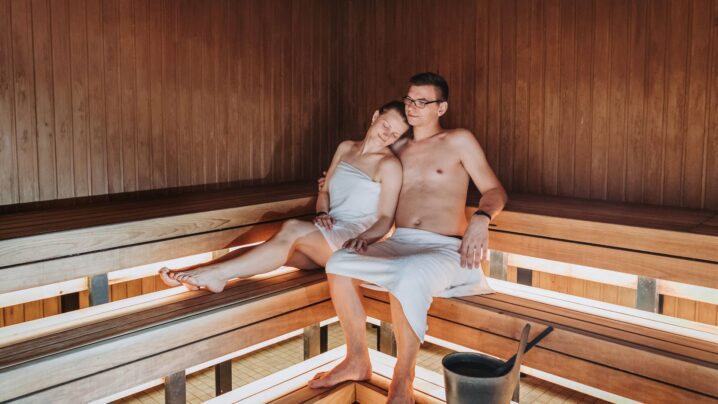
481, 212
321, 213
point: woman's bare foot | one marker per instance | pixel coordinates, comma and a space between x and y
207, 277
355, 370
165, 275
400, 392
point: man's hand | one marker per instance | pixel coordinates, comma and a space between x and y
322, 180
357, 244
475, 245
324, 220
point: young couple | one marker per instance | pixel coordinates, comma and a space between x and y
420, 184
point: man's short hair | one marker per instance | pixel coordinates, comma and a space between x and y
432, 79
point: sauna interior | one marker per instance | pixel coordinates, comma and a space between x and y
141, 134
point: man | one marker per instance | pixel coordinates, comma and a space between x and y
426, 256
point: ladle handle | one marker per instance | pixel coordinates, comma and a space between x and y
510, 363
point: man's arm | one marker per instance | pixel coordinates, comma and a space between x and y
475, 245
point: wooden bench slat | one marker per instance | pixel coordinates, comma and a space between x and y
213, 326
700, 349
699, 273
666, 231
58, 270
194, 303
59, 244
43, 221
497, 332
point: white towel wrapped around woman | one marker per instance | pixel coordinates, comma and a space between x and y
414, 265
353, 204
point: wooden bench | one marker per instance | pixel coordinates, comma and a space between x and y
630, 353
115, 346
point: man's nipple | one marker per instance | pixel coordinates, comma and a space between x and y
417, 222
439, 171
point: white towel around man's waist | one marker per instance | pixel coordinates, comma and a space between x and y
413, 265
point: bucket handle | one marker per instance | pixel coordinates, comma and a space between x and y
510, 363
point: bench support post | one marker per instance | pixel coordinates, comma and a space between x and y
386, 343
99, 289
176, 388
647, 297
498, 265
223, 377
315, 340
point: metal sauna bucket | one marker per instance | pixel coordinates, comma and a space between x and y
471, 377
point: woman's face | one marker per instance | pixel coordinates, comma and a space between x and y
387, 128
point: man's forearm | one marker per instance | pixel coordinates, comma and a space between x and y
493, 201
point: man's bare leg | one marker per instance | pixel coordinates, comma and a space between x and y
352, 317
295, 236
401, 389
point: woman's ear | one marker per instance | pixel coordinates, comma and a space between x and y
374, 118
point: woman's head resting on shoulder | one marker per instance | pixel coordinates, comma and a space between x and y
388, 124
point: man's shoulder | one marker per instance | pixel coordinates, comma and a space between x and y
460, 137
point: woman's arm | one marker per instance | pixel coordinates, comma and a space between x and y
390, 175
323, 202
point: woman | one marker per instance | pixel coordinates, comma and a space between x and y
355, 207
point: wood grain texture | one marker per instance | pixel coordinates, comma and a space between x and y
597, 99
101, 97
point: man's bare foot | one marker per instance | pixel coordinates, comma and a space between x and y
207, 277
165, 275
400, 392
355, 370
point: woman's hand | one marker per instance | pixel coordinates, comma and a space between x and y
324, 220
357, 244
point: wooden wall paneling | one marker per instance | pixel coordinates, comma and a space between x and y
617, 97
134, 287
62, 101
686, 309
51, 306
198, 61
508, 93
42, 61
118, 291
33, 310
585, 22
170, 94
706, 313
207, 130
600, 128
221, 77
128, 95
14, 314
636, 100
96, 99
710, 170
148, 284
24, 84
676, 63
232, 30
155, 66
84, 299
567, 99
8, 142
143, 67
552, 94
626, 297
696, 108
670, 305
184, 32
113, 96
576, 287
523, 80
609, 293
493, 94
655, 98
80, 97
536, 98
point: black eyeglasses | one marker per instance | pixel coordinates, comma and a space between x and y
421, 104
